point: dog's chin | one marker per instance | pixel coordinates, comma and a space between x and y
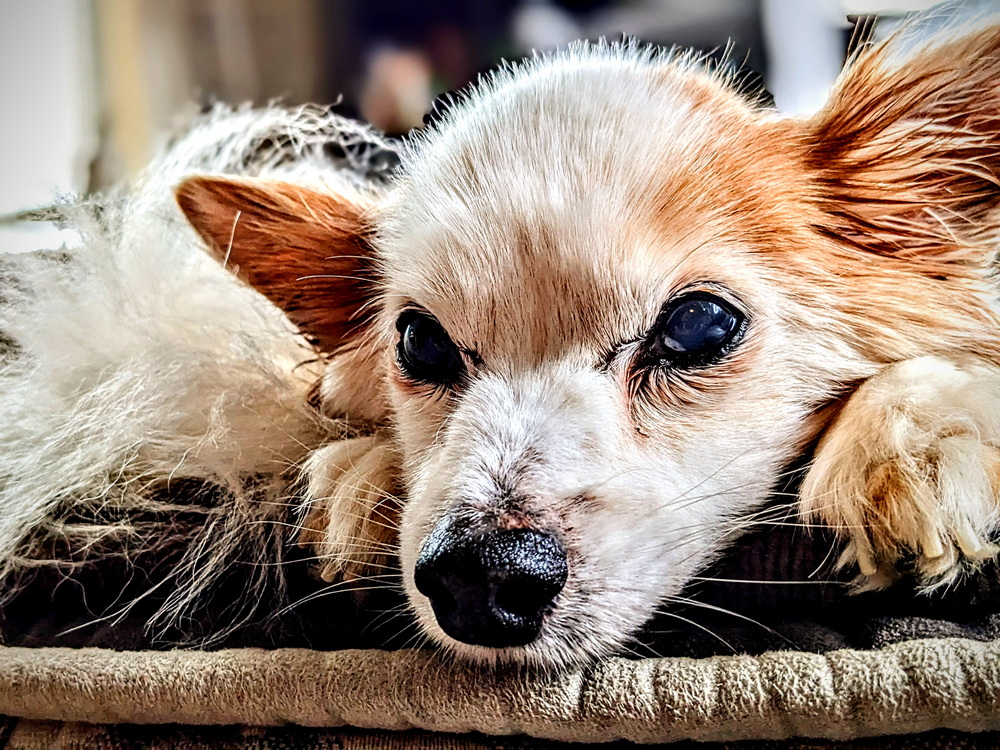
546, 652
556, 648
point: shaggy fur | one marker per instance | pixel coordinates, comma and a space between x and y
137, 368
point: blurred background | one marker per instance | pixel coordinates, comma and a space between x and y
93, 86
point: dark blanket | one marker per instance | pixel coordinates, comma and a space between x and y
42, 735
775, 590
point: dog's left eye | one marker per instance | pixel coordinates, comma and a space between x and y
425, 352
696, 329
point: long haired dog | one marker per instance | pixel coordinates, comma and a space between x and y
608, 300
604, 305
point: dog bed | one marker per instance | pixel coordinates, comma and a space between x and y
764, 654
909, 687
912, 669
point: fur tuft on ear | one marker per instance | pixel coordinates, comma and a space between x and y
907, 151
308, 252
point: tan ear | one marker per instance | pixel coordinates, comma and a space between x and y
907, 152
307, 252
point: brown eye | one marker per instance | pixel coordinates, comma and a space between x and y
425, 352
696, 330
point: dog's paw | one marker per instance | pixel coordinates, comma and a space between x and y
353, 508
910, 471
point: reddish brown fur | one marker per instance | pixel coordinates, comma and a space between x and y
904, 163
894, 146
308, 252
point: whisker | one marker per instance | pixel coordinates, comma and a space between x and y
769, 582
698, 625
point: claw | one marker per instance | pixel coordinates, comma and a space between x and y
972, 544
931, 544
866, 560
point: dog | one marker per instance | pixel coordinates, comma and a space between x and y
556, 365
608, 300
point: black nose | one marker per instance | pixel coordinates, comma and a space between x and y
490, 589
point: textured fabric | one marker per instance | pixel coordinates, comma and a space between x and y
905, 688
38, 735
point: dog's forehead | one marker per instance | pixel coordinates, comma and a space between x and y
538, 203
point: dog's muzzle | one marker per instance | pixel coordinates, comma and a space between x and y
490, 589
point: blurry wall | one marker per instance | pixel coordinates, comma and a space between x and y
48, 127
92, 86
382, 60
159, 61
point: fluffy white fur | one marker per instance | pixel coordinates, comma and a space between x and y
135, 361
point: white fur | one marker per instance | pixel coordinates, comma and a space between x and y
138, 361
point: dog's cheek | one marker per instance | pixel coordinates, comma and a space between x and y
352, 386
417, 414
643, 536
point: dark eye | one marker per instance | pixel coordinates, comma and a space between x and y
695, 330
425, 352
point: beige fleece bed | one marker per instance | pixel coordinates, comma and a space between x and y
905, 688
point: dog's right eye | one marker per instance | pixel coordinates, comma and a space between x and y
696, 330
425, 351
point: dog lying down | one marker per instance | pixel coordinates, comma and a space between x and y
584, 331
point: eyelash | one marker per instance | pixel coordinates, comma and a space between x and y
645, 373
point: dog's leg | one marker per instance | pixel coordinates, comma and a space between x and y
910, 468
353, 508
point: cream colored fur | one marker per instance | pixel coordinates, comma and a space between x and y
911, 466
352, 498
137, 364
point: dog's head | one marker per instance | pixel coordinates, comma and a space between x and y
609, 300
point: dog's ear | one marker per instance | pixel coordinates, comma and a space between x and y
308, 252
906, 154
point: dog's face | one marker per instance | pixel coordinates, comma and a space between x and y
596, 341
608, 302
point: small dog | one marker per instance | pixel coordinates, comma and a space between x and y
607, 302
